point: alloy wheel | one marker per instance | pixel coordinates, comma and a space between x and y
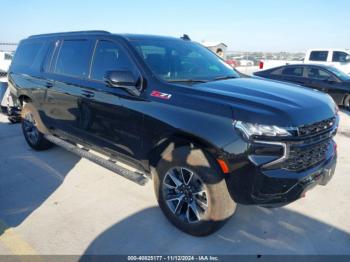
30, 128
185, 194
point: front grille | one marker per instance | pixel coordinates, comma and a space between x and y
3, 74
302, 157
317, 127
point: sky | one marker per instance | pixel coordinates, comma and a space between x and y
243, 25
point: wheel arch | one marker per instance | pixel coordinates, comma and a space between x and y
167, 144
24, 99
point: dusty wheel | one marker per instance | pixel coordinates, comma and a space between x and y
192, 191
346, 103
33, 136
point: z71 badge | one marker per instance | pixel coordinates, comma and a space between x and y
161, 95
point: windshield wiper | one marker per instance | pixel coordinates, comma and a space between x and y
223, 78
187, 81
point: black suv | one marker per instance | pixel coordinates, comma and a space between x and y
171, 110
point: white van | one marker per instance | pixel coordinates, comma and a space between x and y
339, 58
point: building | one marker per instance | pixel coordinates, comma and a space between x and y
216, 47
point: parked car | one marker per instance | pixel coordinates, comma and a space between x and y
177, 113
324, 78
5, 61
338, 58
245, 62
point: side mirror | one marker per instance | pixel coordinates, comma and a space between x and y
123, 79
330, 80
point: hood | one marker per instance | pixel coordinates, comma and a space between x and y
271, 102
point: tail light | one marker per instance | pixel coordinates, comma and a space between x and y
261, 65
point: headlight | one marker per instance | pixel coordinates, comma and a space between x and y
250, 129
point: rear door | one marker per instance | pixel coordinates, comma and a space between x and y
67, 83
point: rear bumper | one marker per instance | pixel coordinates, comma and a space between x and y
272, 188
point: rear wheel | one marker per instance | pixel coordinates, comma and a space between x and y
347, 102
33, 136
192, 192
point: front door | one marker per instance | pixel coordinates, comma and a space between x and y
324, 81
339, 60
117, 118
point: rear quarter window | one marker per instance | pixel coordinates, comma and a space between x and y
293, 71
28, 56
276, 71
320, 56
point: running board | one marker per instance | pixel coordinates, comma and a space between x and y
134, 176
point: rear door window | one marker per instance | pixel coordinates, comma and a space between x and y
320, 56
293, 71
74, 58
110, 56
339, 56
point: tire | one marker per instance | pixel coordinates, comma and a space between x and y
202, 204
30, 123
13, 120
346, 102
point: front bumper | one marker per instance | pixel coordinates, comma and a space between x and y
251, 184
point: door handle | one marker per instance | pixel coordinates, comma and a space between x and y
49, 85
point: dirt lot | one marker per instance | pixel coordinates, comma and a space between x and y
56, 203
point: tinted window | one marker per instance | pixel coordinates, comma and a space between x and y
276, 71
28, 54
74, 58
8, 56
176, 60
109, 57
293, 71
339, 56
318, 56
319, 74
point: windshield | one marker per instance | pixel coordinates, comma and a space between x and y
340, 74
180, 60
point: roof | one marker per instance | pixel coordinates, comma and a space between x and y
150, 37
329, 49
310, 64
101, 32
92, 32
292, 65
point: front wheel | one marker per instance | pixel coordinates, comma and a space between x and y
192, 192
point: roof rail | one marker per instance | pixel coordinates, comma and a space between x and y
91, 32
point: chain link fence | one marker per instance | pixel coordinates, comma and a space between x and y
8, 47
